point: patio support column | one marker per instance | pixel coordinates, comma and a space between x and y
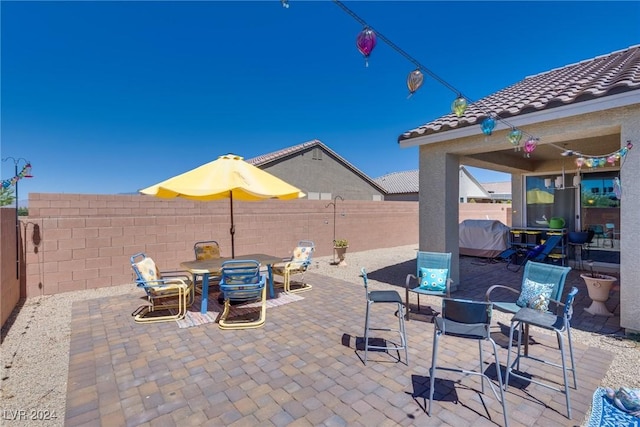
517, 201
630, 226
438, 199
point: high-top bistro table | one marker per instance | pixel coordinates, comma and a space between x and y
208, 266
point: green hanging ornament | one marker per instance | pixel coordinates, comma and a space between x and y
459, 106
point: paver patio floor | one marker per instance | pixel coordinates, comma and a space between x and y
302, 367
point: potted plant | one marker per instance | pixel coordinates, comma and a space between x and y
598, 286
340, 246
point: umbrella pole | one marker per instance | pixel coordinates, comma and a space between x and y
232, 230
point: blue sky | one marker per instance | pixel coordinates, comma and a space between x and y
111, 97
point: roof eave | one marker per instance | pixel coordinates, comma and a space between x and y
576, 109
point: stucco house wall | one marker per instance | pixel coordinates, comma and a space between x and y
319, 172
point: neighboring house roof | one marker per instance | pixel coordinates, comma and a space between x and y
276, 156
605, 75
498, 190
408, 182
400, 182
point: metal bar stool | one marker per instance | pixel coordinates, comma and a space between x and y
384, 297
467, 320
552, 322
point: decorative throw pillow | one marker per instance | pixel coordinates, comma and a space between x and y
433, 279
148, 270
535, 295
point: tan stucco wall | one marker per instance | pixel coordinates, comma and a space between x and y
630, 225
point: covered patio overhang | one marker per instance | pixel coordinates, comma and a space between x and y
595, 128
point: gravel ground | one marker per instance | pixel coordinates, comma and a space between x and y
35, 348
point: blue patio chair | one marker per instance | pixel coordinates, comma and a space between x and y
552, 322
469, 320
169, 293
542, 284
298, 263
433, 276
538, 253
241, 282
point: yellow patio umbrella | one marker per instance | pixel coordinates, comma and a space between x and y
227, 177
538, 197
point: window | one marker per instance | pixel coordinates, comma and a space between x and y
317, 154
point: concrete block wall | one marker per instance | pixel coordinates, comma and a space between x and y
9, 283
78, 241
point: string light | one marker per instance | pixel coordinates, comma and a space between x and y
459, 105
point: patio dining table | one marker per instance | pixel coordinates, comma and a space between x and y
209, 266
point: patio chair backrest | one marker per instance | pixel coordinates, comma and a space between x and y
465, 317
433, 260
241, 280
208, 249
145, 269
303, 252
547, 273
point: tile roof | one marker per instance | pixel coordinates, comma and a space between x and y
408, 182
274, 156
399, 182
601, 76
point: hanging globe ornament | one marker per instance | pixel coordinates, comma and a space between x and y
414, 81
530, 145
285, 3
515, 136
580, 162
487, 125
459, 106
589, 162
365, 42
629, 145
612, 159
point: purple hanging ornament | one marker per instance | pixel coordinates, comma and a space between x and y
365, 42
414, 81
459, 106
530, 145
487, 125
629, 145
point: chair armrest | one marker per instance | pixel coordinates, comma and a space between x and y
181, 274
488, 294
408, 281
165, 283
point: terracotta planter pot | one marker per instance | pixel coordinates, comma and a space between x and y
598, 288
